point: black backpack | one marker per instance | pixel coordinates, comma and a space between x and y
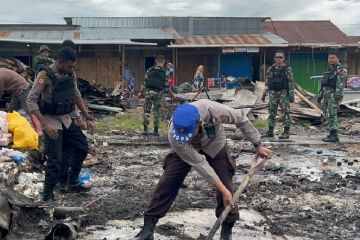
156, 78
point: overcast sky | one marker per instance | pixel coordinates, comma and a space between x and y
344, 13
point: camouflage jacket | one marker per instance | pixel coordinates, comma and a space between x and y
341, 79
144, 88
40, 61
290, 77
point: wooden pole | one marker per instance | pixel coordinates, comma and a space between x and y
227, 210
308, 102
256, 166
264, 66
123, 62
176, 67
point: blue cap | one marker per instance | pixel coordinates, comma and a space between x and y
185, 119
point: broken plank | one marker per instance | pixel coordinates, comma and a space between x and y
224, 95
307, 101
143, 143
306, 111
352, 104
105, 108
243, 98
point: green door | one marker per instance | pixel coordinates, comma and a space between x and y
306, 65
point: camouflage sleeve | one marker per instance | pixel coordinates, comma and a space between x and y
268, 75
42, 60
167, 84
146, 77
341, 79
290, 77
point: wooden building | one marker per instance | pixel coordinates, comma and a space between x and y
233, 46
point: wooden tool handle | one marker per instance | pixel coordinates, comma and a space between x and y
227, 210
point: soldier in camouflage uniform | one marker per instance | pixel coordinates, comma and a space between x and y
280, 86
331, 94
156, 84
42, 59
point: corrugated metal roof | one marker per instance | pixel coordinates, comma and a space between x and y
183, 25
240, 40
127, 33
308, 33
39, 27
355, 38
89, 35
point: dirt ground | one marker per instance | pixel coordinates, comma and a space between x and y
305, 192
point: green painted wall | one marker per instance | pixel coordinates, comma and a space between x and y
305, 65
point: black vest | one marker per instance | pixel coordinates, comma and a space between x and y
156, 78
63, 94
329, 78
278, 80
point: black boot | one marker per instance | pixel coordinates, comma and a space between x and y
147, 232
62, 185
74, 185
270, 132
285, 134
333, 137
145, 132
48, 193
156, 131
226, 231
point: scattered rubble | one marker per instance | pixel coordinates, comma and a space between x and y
17, 66
309, 190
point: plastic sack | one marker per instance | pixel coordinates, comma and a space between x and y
25, 136
85, 176
3, 122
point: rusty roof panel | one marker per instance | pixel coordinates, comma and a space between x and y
308, 32
355, 38
266, 39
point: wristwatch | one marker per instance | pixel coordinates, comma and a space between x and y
257, 144
89, 118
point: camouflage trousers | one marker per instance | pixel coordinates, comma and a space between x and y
152, 99
281, 99
330, 108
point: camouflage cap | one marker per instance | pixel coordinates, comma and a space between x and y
44, 47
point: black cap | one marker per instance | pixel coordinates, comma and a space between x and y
160, 57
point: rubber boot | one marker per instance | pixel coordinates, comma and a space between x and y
226, 231
147, 232
145, 132
156, 131
285, 134
333, 137
62, 185
48, 193
74, 185
270, 132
